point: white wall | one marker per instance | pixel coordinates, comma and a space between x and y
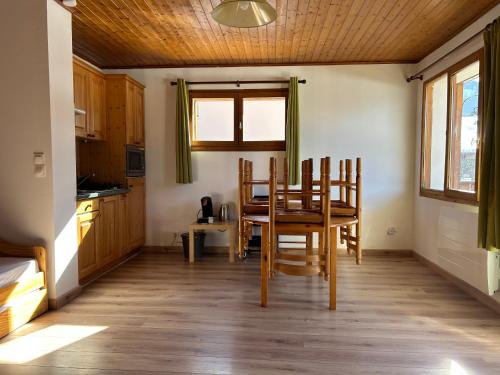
346, 111
60, 45
36, 101
446, 233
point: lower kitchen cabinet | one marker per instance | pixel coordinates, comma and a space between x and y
88, 239
121, 226
135, 213
108, 249
109, 229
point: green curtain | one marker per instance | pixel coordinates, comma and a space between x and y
489, 183
292, 131
182, 146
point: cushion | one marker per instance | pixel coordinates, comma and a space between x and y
14, 270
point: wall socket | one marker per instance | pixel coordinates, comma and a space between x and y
176, 238
391, 231
40, 170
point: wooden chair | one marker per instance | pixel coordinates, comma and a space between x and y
303, 221
248, 205
348, 205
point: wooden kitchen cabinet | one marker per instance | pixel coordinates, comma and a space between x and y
97, 115
135, 114
139, 116
109, 228
108, 246
121, 226
126, 103
88, 242
80, 90
89, 89
136, 212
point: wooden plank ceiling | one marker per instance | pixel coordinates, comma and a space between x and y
142, 33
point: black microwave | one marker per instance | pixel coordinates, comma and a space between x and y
136, 163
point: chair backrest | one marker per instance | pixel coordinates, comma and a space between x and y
307, 182
306, 193
352, 188
359, 189
245, 186
350, 192
248, 178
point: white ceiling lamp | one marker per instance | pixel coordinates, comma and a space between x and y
244, 13
69, 3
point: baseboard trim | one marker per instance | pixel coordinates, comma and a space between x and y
162, 249
209, 250
388, 252
467, 288
57, 303
223, 250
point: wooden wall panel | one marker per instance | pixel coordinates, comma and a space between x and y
149, 33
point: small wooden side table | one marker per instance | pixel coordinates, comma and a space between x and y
229, 226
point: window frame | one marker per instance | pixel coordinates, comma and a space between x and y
448, 194
237, 144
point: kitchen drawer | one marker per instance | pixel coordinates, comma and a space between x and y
87, 206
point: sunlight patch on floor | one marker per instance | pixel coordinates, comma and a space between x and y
489, 343
456, 369
45, 341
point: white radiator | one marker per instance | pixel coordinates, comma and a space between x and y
459, 254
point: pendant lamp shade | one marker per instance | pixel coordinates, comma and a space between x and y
244, 13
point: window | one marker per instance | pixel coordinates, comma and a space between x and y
231, 120
451, 132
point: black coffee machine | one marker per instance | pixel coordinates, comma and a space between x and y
206, 210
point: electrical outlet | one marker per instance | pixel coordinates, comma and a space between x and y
40, 170
391, 231
176, 238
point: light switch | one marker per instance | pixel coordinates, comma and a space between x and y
40, 170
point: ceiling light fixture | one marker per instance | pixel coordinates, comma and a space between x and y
244, 13
69, 3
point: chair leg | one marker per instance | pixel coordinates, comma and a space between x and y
342, 236
348, 234
321, 248
309, 247
264, 266
327, 255
333, 268
272, 249
358, 246
241, 239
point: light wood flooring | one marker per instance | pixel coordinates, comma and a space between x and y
156, 314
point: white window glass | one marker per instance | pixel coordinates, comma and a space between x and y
213, 119
464, 128
264, 119
435, 127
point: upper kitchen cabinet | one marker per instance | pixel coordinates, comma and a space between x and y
135, 114
126, 102
80, 88
89, 88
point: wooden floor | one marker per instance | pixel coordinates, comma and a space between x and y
156, 314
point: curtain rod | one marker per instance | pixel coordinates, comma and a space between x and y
420, 75
237, 83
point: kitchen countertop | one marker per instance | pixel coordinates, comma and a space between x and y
91, 194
